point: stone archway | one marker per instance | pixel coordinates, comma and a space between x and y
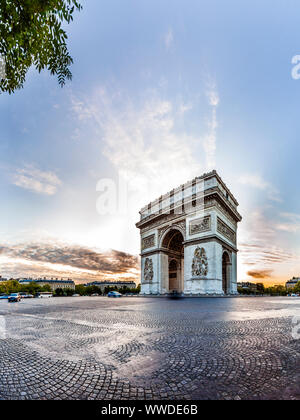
193, 224
173, 276
226, 272
172, 245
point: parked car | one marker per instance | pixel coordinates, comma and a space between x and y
76, 295
95, 294
2, 297
25, 295
114, 294
14, 297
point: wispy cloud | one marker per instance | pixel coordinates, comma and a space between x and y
210, 142
258, 182
60, 259
36, 180
260, 274
260, 255
262, 250
184, 107
266, 261
290, 223
142, 143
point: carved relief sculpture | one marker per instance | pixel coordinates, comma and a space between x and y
200, 263
226, 231
181, 224
212, 202
148, 242
161, 232
200, 225
148, 271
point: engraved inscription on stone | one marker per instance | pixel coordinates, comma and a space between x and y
226, 231
200, 225
148, 242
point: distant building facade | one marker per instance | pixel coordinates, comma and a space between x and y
252, 287
103, 284
53, 283
25, 281
292, 283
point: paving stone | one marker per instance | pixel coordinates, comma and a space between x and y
137, 348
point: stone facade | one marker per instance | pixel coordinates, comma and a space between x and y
292, 283
188, 240
53, 283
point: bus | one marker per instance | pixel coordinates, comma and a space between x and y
42, 295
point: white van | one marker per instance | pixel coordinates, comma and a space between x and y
43, 295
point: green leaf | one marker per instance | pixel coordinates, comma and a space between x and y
31, 34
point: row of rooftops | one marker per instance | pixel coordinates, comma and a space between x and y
45, 280
111, 283
70, 281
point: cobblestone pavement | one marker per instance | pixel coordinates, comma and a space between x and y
149, 348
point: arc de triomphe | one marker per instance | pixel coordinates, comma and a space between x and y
188, 239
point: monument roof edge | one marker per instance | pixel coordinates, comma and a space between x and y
206, 175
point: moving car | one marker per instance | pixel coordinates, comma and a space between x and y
14, 297
2, 297
175, 295
114, 294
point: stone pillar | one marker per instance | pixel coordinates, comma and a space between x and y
182, 275
211, 283
219, 269
145, 286
151, 285
229, 278
164, 273
234, 274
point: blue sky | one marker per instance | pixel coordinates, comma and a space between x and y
162, 91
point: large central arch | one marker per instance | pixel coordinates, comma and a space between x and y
172, 245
